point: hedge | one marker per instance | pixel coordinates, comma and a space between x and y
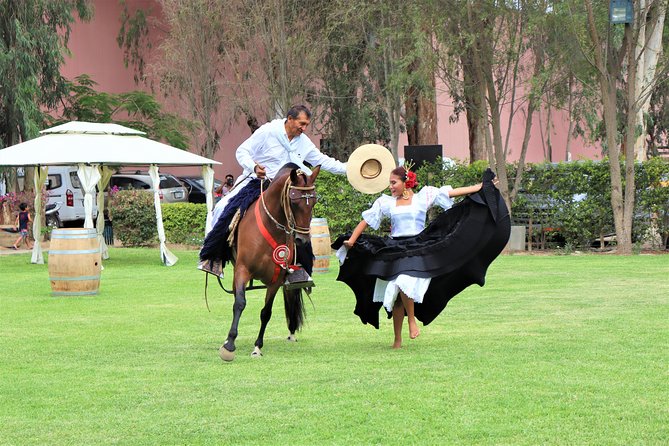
134, 219
568, 201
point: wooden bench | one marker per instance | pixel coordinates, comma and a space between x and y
536, 231
662, 151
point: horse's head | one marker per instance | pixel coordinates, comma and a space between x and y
301, 197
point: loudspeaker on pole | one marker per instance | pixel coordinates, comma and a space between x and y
422, 154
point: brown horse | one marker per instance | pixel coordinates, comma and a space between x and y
267, 236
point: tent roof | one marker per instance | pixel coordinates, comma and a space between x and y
92, 143
92, 127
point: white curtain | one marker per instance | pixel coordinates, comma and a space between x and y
105, 175
41, 174
208, 177
89, 175
169, 259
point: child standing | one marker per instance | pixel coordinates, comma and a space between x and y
22, 221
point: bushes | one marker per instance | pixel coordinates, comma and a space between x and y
134, 217
339, 203
579, 195
572, 199
185, 222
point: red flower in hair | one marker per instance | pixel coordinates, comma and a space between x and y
410, 181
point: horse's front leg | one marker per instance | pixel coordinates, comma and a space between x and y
227, 350
265, 316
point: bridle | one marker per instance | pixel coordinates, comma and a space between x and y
282, 255
290, 193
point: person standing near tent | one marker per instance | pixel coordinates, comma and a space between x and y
22, 221
262, 155
229, 183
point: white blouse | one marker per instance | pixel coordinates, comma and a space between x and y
407, 220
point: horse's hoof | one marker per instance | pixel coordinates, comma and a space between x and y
291, 338
256, 353
225, 354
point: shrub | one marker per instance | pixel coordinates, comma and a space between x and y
134, 217
9, 205
185, 222
340, 203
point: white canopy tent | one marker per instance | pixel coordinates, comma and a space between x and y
94, 147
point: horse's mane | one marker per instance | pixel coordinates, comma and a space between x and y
286, 169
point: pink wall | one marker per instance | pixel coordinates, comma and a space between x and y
94, 51
455, 139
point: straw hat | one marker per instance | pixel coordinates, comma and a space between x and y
368, 168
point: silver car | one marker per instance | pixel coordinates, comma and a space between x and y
170, 189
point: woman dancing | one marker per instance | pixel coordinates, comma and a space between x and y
408, 272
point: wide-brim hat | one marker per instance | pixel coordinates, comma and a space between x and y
368, 168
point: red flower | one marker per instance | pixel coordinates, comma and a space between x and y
410, 182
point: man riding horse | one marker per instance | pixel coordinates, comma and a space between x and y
270, 147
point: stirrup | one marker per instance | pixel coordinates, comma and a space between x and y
298, 278
214, 267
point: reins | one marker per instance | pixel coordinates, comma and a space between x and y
292, 226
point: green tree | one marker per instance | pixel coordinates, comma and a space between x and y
349, 111
226, 60
33, 42
623, 77
136, 109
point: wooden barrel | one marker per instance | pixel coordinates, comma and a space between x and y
74, 262
320, 242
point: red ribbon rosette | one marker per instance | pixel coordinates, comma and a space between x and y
410, 182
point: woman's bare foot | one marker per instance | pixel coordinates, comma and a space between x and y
397, 344
414, 331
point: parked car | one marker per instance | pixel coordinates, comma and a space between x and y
195, 187
170, 189
66, 195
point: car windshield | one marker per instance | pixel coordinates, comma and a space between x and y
167, 182
200, 182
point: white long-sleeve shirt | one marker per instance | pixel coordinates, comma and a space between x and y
269, 147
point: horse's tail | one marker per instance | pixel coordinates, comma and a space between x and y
295, 311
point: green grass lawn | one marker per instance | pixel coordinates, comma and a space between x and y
553, 350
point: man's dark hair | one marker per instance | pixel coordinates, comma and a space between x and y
295, 111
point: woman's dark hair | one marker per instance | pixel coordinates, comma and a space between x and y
399, 171
295, 111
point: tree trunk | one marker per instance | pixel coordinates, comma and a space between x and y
570, 107
549, 144
498, 160
392, 103
607, 69
531, 107
632, 108
421, 116
475, 109
650, 32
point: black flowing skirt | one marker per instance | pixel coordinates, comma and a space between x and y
455, 251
